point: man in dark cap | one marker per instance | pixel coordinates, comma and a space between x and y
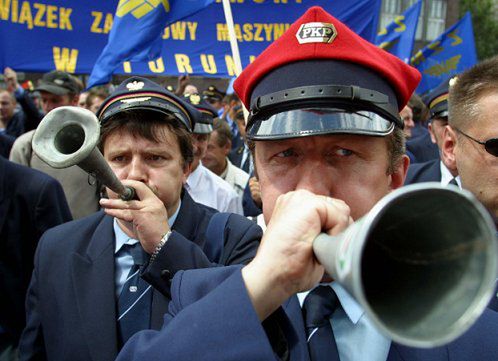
215, 98
204, 186
440, 169
100, 279
328, 144
57, 89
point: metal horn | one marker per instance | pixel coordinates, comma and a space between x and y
422, 263
69, 136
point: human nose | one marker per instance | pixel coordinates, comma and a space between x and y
314, 178
137, 170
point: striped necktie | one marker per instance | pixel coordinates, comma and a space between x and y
134, 303
318, 308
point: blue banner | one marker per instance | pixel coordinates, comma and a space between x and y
450, 54
398, 37
39, 36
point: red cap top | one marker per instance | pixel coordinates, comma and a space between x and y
330, 40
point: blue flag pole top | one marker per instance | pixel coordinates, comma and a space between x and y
398, 37
170, 37
450, 54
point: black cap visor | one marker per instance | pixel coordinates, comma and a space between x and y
52, 89
303, 122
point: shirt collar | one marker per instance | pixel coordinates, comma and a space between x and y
352, 309
122, 238
446, 175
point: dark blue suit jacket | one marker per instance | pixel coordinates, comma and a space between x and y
6, 142
424, 172
71, 299
211, 310
30, 203
422, 147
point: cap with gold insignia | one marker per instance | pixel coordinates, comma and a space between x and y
140, 93
320, 77
437, 100
205, 123
213, 94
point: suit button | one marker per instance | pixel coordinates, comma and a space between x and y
165, 273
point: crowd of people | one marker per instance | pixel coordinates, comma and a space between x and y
213, 258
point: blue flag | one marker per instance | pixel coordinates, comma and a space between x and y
398, 37
136, 34
450, 54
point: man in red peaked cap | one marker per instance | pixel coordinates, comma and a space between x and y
327, 141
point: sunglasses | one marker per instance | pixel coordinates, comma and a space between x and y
491, 145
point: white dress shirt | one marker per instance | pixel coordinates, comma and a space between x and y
354, 333
236, 177
207, 188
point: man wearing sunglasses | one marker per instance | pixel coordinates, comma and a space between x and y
440, 169
472, 141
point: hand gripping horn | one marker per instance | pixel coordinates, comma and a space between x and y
69, 136
422, 263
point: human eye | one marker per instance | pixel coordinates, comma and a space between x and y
342, 152
156, 158
286, 153
118, 158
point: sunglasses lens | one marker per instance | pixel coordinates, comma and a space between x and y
491, 146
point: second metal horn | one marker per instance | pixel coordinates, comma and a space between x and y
422, 263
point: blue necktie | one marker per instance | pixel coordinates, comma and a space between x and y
134, 303
454, 182
318, 307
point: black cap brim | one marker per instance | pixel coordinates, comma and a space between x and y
296, 123
53, 89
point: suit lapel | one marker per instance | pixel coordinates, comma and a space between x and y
435, 171
93, 281
185, 222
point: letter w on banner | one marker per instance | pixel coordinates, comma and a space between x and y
398, 37
450, 54
136, 32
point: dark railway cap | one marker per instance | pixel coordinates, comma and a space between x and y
59, 83
213, 93
437, 100
144, 94
205, 123
320, 77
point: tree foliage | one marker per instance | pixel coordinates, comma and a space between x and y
485, 22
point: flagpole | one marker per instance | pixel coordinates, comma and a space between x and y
233, 44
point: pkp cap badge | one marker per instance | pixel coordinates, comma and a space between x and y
316, 33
